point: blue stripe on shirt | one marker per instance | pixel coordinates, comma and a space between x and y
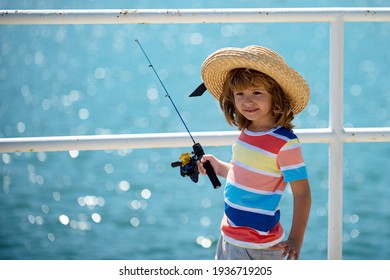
285, 132
295, 174
256, 221
268, 202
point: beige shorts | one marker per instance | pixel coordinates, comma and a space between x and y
227, 251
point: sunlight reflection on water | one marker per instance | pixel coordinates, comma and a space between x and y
83, 80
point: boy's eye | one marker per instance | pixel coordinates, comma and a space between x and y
257, 93
238, 93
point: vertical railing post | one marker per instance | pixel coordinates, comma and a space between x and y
336, 123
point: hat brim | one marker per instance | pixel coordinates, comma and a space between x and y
217, 66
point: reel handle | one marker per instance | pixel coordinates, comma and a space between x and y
211, 173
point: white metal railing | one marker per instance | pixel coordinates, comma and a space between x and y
335, 135
178, 139
169, 16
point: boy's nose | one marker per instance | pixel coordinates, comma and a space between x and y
248, 100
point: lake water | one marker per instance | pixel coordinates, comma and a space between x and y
130, 204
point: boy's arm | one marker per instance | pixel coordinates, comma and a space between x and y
302, 203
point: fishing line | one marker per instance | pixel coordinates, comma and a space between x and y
166, 91
188, 164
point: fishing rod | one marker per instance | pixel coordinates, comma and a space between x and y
166, 92
188, 166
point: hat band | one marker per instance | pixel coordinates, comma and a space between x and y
199, 90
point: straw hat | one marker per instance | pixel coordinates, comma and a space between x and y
216, 67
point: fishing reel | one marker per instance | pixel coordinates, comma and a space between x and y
188, 166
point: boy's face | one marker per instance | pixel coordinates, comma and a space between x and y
255, 104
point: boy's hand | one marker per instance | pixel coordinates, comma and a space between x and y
212, 161
221, 168
291, 249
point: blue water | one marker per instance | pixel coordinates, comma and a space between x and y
130, 204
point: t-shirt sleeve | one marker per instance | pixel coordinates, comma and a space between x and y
291, 162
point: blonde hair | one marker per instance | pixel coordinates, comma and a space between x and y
242, 78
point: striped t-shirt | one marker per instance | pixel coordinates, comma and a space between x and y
262, 165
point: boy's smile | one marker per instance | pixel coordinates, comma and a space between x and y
250, 110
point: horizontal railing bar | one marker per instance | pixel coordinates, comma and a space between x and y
171, 16
173, 140
366, 134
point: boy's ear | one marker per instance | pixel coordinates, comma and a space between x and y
199, 90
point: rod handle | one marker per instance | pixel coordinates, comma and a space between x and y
211, 173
